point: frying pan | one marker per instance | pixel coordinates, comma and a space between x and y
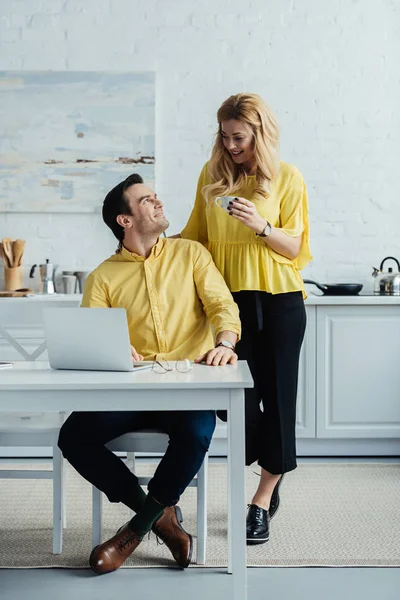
337, 289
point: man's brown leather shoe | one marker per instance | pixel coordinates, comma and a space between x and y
169, 529
110, 555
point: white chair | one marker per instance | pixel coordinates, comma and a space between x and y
38, 430
22, 338
154, 442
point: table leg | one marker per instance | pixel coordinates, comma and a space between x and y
236, 496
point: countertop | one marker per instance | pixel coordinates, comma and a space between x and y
359, 300
312, 300
43, 298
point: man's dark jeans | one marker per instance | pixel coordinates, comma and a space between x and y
84, 435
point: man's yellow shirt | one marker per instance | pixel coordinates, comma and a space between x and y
172, 298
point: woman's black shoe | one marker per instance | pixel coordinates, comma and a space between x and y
257, 525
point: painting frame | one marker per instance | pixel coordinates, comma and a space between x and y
70, 136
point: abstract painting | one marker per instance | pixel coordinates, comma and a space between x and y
68, 137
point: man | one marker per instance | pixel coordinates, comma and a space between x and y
172, 292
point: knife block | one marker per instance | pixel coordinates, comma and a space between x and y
12, 278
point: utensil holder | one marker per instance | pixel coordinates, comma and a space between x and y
12, 278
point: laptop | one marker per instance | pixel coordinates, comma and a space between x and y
89, 339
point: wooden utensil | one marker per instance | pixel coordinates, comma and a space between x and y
3, 256
18, 250
7, 248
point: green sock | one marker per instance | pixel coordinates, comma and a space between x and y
135, 498
150, 512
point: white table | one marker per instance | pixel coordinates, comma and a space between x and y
33, 386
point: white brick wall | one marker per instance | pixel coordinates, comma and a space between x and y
329, 68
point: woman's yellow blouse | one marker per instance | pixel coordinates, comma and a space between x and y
245, 261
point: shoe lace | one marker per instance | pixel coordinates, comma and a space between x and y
159, 540
127, 541
256, 514
162, 538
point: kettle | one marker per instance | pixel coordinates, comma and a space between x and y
387, 283
47, 273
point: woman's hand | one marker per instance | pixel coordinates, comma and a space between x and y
135, 354
218, 357
246, 212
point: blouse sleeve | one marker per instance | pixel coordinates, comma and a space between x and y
196, 227
294, 219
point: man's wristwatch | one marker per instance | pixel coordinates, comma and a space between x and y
266, 231
226, 344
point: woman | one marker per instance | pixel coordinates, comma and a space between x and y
259, 244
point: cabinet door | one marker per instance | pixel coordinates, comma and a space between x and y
30, 339
358, 374
21, 325
305, 421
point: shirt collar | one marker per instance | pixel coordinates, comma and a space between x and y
155, 252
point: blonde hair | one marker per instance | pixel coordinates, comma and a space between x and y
228, 177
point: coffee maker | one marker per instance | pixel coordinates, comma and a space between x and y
47, 272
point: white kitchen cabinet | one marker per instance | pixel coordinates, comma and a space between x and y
305, 421
21, 326
29, 339
22, 338
306, 392
358, 371
348, 401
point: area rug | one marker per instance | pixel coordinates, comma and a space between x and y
331, 515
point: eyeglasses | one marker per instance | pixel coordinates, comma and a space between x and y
163, 366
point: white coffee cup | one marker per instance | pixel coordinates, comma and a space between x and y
223, 201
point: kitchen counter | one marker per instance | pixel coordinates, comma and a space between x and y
43, 298
360, 300
312, 300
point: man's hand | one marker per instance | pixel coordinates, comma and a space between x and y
135, 355
218, 357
